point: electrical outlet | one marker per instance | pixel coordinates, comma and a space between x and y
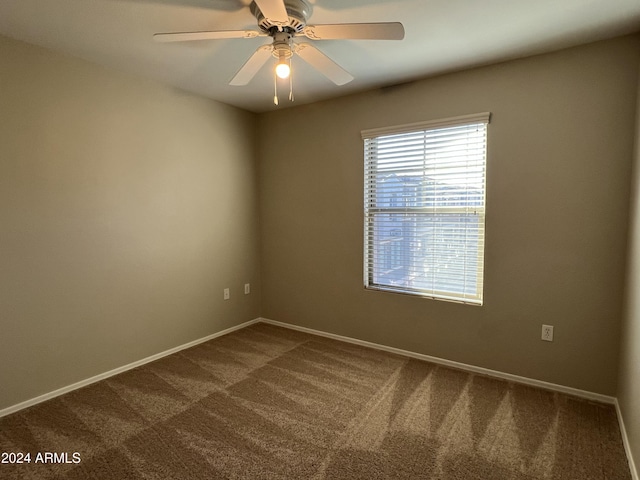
226, 294
247, 288
547, 333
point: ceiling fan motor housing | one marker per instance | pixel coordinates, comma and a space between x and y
298, 10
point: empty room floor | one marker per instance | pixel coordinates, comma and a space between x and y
269, 402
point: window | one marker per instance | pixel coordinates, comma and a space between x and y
424, 208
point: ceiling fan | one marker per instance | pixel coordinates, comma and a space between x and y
283, 20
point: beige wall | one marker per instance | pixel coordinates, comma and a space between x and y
559, 158
629, 378
125, 209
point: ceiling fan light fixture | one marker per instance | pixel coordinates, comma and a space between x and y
282, 68
282, 50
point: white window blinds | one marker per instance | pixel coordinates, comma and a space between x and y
424, 208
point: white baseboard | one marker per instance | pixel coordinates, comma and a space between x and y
625, 441
116, 371
597, 397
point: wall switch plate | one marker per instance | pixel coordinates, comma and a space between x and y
226, 294
247, 288
547, 333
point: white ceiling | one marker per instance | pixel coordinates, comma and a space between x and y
441, 36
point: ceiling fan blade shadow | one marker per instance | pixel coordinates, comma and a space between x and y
252, 66
220, 5
274, 10
206, 35
323, 64
356, 31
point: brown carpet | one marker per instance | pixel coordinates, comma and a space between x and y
271, 403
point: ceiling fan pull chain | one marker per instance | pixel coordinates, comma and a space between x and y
290, 82
275, 89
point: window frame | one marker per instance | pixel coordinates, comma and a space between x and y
370, 211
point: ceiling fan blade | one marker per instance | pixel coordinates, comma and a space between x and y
251, 66
274, 10
356, 31
213, 35
323, 64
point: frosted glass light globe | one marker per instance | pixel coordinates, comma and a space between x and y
283, 70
